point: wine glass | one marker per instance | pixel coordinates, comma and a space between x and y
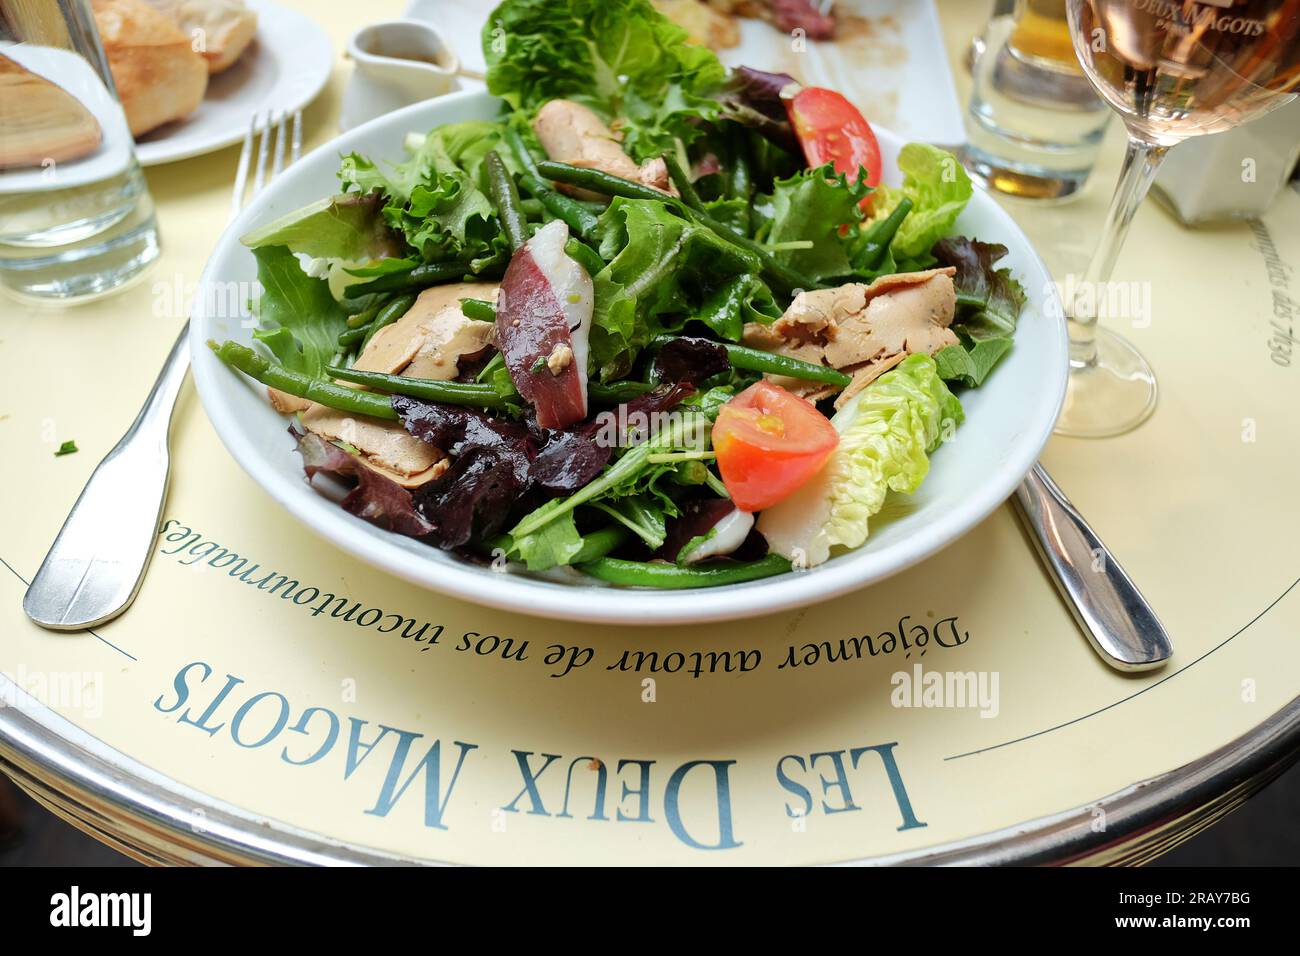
1171, 69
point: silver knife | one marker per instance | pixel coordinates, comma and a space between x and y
1111, 611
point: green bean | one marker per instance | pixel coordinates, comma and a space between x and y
598, 181
654, 574
519, 148
322, 391
572, 213
433, 390
506, 198
585, 256
480, 310
741, 187
618, 393
532, 208
362, 303
351, 337
366, 316
879, 235
778, 274
756, 360
683, 182
408, 280
388, 315
599, 543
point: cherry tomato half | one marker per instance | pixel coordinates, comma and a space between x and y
769, 442
832, 130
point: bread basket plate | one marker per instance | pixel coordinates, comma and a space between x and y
1008, 421
284, 68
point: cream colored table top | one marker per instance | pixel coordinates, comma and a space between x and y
217, 720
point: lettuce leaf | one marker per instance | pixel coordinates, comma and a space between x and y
810, 208
970, 362
437, 199
939, 188
887, 432
555, 543
347, 227
658, 264
300, 319
619, 57
989, 301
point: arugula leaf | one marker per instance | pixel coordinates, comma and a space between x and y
301, 321
622, 58
939, 188
642, 515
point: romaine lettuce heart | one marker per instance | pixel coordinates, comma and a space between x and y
886, 434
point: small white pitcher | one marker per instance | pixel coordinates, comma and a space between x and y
398, 62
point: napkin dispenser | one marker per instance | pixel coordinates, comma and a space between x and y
1233, 175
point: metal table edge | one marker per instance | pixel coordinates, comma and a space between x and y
128, 805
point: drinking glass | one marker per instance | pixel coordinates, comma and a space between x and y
1034, 124
1171, 69
76, 218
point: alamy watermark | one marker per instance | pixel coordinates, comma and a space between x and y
78, 691
937, 689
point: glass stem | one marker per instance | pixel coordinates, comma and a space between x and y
1141, 161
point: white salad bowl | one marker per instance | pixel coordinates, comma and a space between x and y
1008, 421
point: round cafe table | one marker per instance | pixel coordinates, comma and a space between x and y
269, 699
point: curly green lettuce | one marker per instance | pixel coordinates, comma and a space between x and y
622, 58
437, 199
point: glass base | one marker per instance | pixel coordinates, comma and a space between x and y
1023, 182
86, 269
1111, 395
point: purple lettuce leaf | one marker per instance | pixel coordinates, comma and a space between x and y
690, 360
377, 499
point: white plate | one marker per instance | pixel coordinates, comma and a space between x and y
1008, 421
284, 68
888, 57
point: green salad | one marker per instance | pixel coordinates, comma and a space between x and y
657, 323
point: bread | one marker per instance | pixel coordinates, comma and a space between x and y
704, 25
40, 121
219, 29
159, 77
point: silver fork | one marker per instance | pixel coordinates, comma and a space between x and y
95, 567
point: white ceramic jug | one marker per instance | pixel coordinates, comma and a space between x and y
398, 62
